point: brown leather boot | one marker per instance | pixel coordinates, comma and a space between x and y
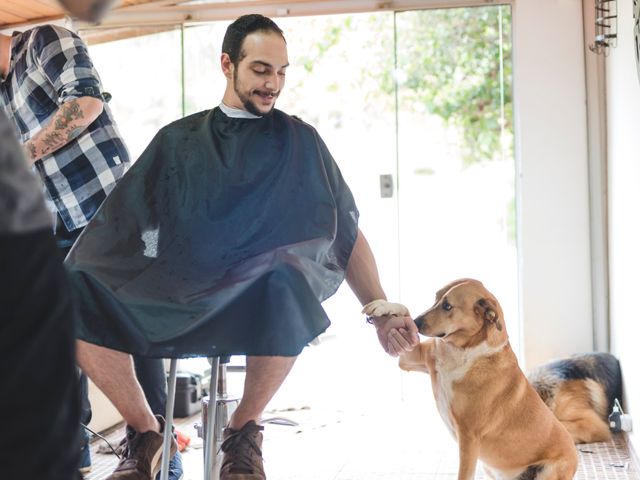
242, 449
142, 455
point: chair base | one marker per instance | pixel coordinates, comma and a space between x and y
210, 430
225, 406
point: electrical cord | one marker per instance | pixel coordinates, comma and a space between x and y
101, 437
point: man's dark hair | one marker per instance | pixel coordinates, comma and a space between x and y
240, 28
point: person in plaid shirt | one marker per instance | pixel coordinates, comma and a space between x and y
51, 91
53, 94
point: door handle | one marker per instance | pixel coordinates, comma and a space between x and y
386, 186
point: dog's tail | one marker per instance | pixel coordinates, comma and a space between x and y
610, 374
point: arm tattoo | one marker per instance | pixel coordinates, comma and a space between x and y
68, 123
74, 132
53, 139
70, 111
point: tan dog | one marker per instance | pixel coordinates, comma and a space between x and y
482, 395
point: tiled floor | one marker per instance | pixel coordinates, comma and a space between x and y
359, 418
337, 446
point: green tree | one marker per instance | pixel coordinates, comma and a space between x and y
457, 63
454, 63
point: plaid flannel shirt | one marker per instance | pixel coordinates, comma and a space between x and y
50, 65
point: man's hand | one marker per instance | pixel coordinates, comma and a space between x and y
397, 335
395, 329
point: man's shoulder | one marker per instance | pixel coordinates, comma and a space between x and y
50, 32
295, 121
184, 124
45, 35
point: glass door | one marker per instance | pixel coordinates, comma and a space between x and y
456, 167
338, 64
143, 76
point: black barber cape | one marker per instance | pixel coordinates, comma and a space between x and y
223, 238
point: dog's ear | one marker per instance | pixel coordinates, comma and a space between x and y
486, 309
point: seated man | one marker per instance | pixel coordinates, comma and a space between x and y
223, 238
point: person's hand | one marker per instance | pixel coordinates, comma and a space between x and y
397, 335
395, 329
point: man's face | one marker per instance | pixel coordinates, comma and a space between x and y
87, 10
259, 77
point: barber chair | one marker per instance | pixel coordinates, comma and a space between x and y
215, 417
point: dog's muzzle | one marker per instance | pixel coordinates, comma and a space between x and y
419, 322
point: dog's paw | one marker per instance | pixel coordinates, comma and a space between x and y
379, 308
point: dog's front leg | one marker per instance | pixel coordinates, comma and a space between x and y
418, 359
468, 454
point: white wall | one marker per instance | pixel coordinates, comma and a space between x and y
551, 145
623, 96
104, 414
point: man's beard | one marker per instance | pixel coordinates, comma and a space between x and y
246, 101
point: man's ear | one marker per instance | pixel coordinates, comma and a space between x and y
486, 309
227, 65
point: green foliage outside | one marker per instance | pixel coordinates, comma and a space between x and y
451, 63
454, 63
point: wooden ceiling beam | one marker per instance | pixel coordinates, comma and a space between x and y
153, 4
95, 37
23, 9
157, 14
168, 13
